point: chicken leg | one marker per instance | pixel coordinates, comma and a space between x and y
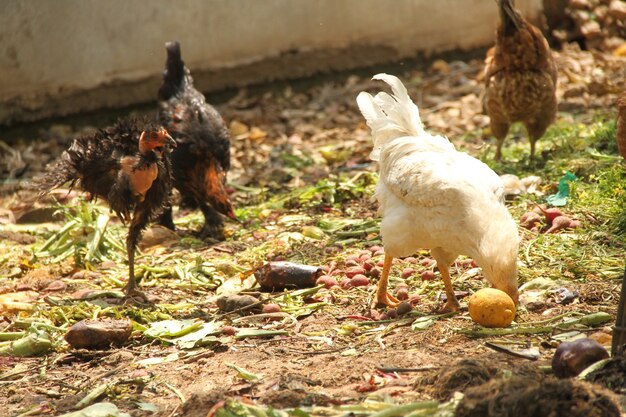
382, 295
452, 304
213, 225
499, 130
138, 222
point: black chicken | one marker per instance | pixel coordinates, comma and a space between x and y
202, 158
128, 166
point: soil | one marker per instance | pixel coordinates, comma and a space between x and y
284, 139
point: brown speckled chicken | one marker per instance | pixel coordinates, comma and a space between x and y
202, 158
128, 166
521, 77
621, 124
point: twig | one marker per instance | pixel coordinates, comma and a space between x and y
12, 374
484, 331
587, 320
175, 390
246, 333
280, 314
317, 352
94, 394
527, 252
525, 354
555, 318
110, 372
174, 410
387, 369
33, 411
198, 356
5, 336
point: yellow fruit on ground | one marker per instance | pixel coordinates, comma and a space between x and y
490, 307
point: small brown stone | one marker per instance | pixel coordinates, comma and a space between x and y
56, 285
98, 334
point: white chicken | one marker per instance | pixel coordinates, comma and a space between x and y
432, 196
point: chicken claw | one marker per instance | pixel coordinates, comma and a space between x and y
386, 299
135, 296
382, 295
452, 304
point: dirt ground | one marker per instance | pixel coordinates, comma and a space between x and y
335, 349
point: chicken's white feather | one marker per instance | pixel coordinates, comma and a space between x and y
408, 115
389, 116
432, 196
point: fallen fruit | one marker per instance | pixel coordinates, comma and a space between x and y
404, 307
327, 281
229, 330
368, 265
550, 214
354, 271
561, 222
491, 307
271, 308
359, 281
375, 272
407, 273
530, 219
345, 283
428, 275
571, 358
351, 263
402, 294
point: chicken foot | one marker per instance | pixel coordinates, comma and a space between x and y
452, 304
213, 226
166, 219
383, 297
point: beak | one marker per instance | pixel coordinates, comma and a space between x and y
231, 215
170, 140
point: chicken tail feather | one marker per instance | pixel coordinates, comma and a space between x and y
174, 72
389, 116
60, 172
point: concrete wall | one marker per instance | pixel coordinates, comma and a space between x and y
62, 56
